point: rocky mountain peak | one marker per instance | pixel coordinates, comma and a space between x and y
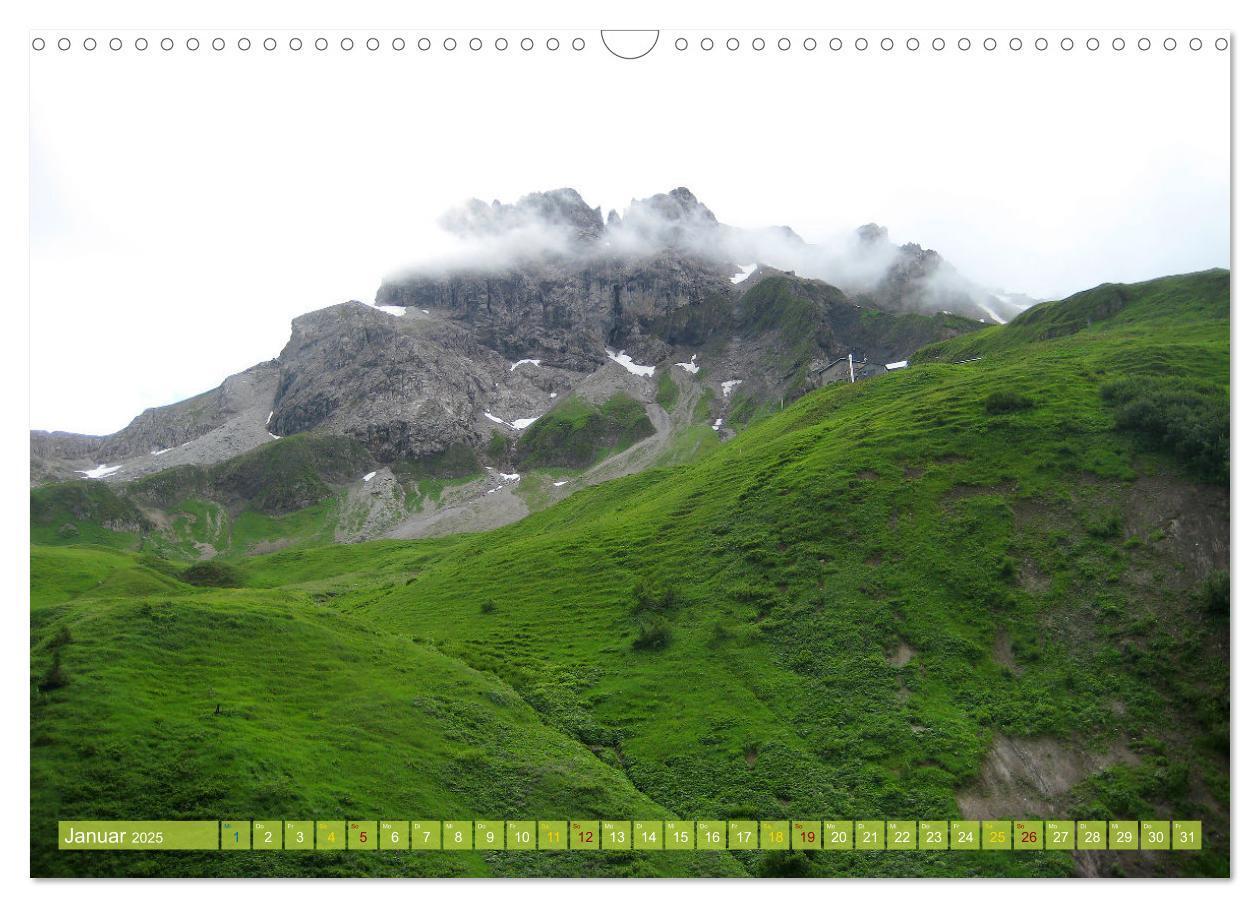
563, 209
872, 234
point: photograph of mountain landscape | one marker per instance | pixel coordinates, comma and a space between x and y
676, 558
650, 514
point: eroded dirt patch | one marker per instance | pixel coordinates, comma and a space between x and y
1193, 519
901, 656
1003, 653
1032, 776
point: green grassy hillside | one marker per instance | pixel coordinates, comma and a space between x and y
577, 433
842, 612
809, 319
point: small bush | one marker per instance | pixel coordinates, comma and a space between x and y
721, 634
650, 597
212, 573
654, 634
781, 864
55, 677
1006, 402
1191, 424
1108, 525
488, 607
497, 450
1215, 593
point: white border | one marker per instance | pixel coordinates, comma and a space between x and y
1237, 17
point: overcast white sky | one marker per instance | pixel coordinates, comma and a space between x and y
186, 206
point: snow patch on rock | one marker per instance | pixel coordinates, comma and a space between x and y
691, 366
523, 423
100, 471
396, 311
630, 365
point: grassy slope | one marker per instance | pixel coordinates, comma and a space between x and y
251, 704
576, 433
897, 512
803, 313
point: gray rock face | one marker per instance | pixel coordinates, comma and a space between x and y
405, 387
571, 315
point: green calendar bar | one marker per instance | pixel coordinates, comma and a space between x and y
624, 835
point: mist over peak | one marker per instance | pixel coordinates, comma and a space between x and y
558, 228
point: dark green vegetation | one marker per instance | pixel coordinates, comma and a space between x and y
838, 613
1190, 423
284, 476
808, 316
666, 390
577, 433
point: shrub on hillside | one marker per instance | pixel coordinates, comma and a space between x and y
654, 634
577, 433
1006, 402
1216, 593
211, 573
1189, 423
55, 677
651, 597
